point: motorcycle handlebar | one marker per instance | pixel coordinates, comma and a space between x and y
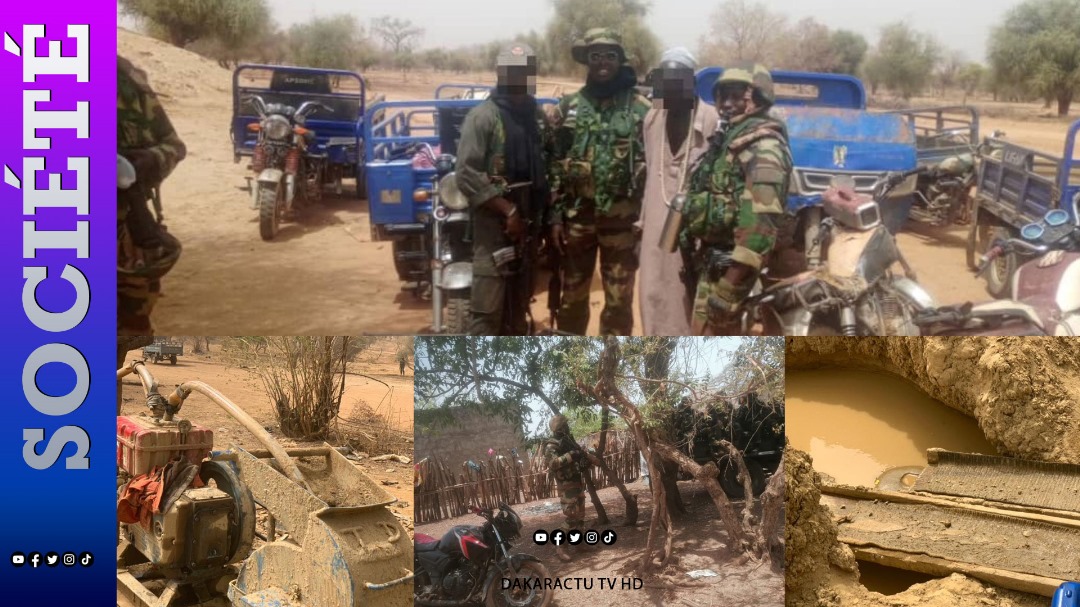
309, 106
260, 105
1002, 247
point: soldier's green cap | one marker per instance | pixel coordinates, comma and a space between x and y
597, 36
516, 55
754, 74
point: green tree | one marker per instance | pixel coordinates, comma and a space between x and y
849, 49
181, 22
574, 17
904, 59
1038, 44
948, 72
333, 42
970, 77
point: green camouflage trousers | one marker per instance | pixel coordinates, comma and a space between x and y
572, 498
135, 296
612, 235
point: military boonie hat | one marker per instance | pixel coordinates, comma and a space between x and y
597, 36
516, 55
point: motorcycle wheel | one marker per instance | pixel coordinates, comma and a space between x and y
457, 312
270, 197
999, 275
497, 596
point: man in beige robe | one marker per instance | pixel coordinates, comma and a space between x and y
676, 135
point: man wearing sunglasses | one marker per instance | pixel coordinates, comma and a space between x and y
598, 174
736, 199
677, 132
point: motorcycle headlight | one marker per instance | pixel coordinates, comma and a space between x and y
457, 276
842, 181
277, 127
450, 195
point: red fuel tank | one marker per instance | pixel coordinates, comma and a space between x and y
143, 443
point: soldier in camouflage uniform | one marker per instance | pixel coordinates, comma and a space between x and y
567, 466
502, 143
598, 175
736, 199
145, 251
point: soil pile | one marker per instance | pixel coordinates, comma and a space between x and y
1024, 392
812, 550
174, 72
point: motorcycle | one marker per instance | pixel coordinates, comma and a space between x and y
473, 564
943, 194
853, 290
451, 245
287, 172
1045, 291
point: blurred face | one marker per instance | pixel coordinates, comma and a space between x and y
732, 98
603, 62
673, 87
518, 79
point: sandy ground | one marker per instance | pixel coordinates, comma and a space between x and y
323, 274
244, 388
698, 545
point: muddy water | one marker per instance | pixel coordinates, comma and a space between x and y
856, 425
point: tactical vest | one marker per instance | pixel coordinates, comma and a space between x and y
600, 162
552, 450
720, 173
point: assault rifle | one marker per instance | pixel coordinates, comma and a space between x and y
554, 298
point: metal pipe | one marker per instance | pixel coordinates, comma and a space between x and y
124, 371
281, 456
150, 385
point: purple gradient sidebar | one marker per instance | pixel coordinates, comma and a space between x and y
58, 303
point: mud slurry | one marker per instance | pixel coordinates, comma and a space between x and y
1024, 392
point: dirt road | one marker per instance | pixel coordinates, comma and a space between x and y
323, 274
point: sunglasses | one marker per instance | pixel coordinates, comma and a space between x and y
598, 56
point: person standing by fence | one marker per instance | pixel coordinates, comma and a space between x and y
566, 463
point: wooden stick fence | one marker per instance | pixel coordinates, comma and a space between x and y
503, 478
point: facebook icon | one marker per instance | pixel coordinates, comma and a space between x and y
35, 559
557, 537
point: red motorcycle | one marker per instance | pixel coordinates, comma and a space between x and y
473, 565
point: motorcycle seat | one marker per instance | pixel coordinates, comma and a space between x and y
1013, 308
427, 546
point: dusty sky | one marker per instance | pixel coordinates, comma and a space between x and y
959, 24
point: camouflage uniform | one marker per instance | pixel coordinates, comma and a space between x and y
598, 174
736, 203
481, 175
568, 476
141, 124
